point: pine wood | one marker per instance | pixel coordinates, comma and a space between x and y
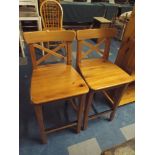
80, 112
129, 95
87, 108
99, 73
57, 81
92, 48
103, 36
52, 82
117, 98
126, 53
95, 33
68, 125
126, 60
39, 117
45, 36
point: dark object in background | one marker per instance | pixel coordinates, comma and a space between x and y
132, 2
29, 26
122, 1
99, 1
79, 0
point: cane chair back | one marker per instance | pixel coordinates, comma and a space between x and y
51, 15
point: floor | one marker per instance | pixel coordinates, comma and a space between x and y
100, 133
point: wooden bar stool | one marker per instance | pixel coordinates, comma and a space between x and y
52, 82
99, 73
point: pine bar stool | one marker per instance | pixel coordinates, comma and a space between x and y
52, 82
99, 73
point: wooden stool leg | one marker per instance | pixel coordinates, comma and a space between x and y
87, 108
80, 112
39, 116
119, 93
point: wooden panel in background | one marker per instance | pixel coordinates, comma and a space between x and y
126, 60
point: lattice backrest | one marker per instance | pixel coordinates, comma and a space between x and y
64, 37
102, 35
51, 14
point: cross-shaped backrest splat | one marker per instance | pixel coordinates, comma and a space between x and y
65, 37
102, 35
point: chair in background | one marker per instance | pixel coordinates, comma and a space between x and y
40, 1
52, 82
99, 73
121, 22
28, 11
51, 15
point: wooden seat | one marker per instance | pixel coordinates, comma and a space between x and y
103, 75
99, 73
52, 82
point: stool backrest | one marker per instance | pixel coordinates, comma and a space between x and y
65, 38
103, 37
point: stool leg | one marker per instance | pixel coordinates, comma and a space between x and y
119, 93
80, 112
39, 117
87, 108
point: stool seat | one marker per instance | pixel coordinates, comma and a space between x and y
54, 82
101, 74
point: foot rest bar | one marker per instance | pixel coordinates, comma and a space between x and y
98, 114
49, 130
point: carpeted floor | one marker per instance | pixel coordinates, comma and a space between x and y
107, 134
